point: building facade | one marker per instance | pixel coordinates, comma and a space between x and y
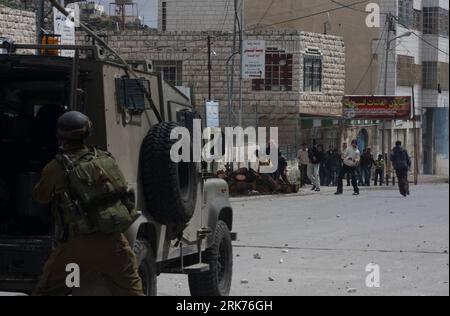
305, 73
17, 24
417, 65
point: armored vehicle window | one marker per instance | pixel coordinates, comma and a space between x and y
131, 93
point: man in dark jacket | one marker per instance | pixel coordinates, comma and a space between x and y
367, 163
402, 163
334, 165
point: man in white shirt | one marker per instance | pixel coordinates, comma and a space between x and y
351, 158
303, 161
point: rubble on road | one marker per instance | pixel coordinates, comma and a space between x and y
271, 279
351, 290
246, 181
257, 256
244, 281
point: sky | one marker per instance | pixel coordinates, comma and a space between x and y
147, 8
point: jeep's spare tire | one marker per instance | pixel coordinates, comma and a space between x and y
170, 189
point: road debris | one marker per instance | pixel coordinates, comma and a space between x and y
351, 290
244, 281
271, 279
257, 256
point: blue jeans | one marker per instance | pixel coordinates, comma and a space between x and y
366, 175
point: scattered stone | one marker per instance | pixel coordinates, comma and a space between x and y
421, 226
445, 251
238, 255
290, 280
281, 260
286, 245
271, 279
351, 290
244, 281
338, 216
285, 251
368, 245
257, 256
403, 277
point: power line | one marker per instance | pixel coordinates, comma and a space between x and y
227, 10
372, 59
313, 14
417, 35
265, 13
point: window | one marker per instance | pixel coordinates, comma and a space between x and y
164, 16
435, 21
435, 75
406, 12
429, 75
312, 73
171, 71
418, 23
278, 75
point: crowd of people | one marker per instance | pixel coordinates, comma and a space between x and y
329, 168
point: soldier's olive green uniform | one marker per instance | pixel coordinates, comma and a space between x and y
107, 255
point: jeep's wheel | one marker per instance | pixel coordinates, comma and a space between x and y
147, 266
170, 189
216, 281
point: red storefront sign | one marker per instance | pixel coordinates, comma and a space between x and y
377, 107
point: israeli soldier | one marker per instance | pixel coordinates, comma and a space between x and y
92, 207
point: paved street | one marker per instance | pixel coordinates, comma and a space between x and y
332, 239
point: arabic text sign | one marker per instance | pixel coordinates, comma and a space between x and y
66, 28
377, 107
212, 114
254, 59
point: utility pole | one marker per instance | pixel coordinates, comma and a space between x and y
209, 68
386, 61
416, 148
241, 85
39, 23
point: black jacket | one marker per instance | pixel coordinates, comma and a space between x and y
315, 156
400, 158
367, 160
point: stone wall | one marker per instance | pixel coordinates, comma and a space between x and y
260, 108
17, 24
329, 101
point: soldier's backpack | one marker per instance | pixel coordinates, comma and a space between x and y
98, 198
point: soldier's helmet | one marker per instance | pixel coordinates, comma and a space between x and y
74, 126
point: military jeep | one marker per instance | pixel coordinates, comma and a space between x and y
185, 218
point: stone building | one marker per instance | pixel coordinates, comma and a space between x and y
305, 75
20, 25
